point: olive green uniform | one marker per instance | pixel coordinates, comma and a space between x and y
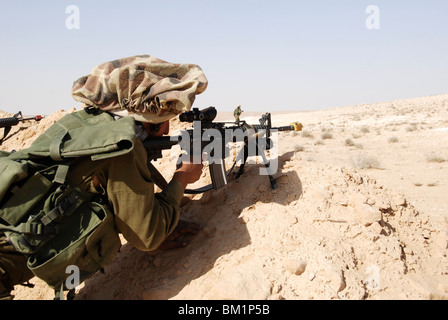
145, 218
236, 113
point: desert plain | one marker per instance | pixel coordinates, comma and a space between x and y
360, 212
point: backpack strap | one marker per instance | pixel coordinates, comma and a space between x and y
42, 226
55, 147
25, 228
61, 173
63, 207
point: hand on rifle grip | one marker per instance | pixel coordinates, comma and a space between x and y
188, 172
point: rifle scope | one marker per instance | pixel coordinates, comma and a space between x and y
205, 115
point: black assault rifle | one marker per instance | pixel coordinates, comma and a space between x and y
211, 138
7, 123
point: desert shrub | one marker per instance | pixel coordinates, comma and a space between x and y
435, 158
298, 148
411, 128
349, 142
307, 134
365, 130
393, 140
367, 162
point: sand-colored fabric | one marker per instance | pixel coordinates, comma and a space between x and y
147, 88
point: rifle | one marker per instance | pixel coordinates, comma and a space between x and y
211, 139
7, 123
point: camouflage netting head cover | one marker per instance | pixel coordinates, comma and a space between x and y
149, 89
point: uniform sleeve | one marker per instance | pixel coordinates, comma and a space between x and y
144, 218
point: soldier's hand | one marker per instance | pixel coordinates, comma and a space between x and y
188, 173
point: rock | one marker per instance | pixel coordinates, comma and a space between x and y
357, 199
334, 279
291, 220
398, 201
296, 267
367, 214
376, 226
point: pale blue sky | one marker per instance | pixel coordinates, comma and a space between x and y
264, 55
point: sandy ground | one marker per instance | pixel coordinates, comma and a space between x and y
360, 212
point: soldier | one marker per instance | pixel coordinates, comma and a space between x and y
146, 219
236, 113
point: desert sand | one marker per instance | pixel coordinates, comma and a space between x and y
360, 212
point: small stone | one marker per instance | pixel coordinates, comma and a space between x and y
334, 279
295, 267
367, 214
292, 220
376, 226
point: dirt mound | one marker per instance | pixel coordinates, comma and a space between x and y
324, 233
331, 230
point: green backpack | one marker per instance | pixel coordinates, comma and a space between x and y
56, 225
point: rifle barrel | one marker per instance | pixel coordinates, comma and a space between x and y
284, 128
292, 127
36, 118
